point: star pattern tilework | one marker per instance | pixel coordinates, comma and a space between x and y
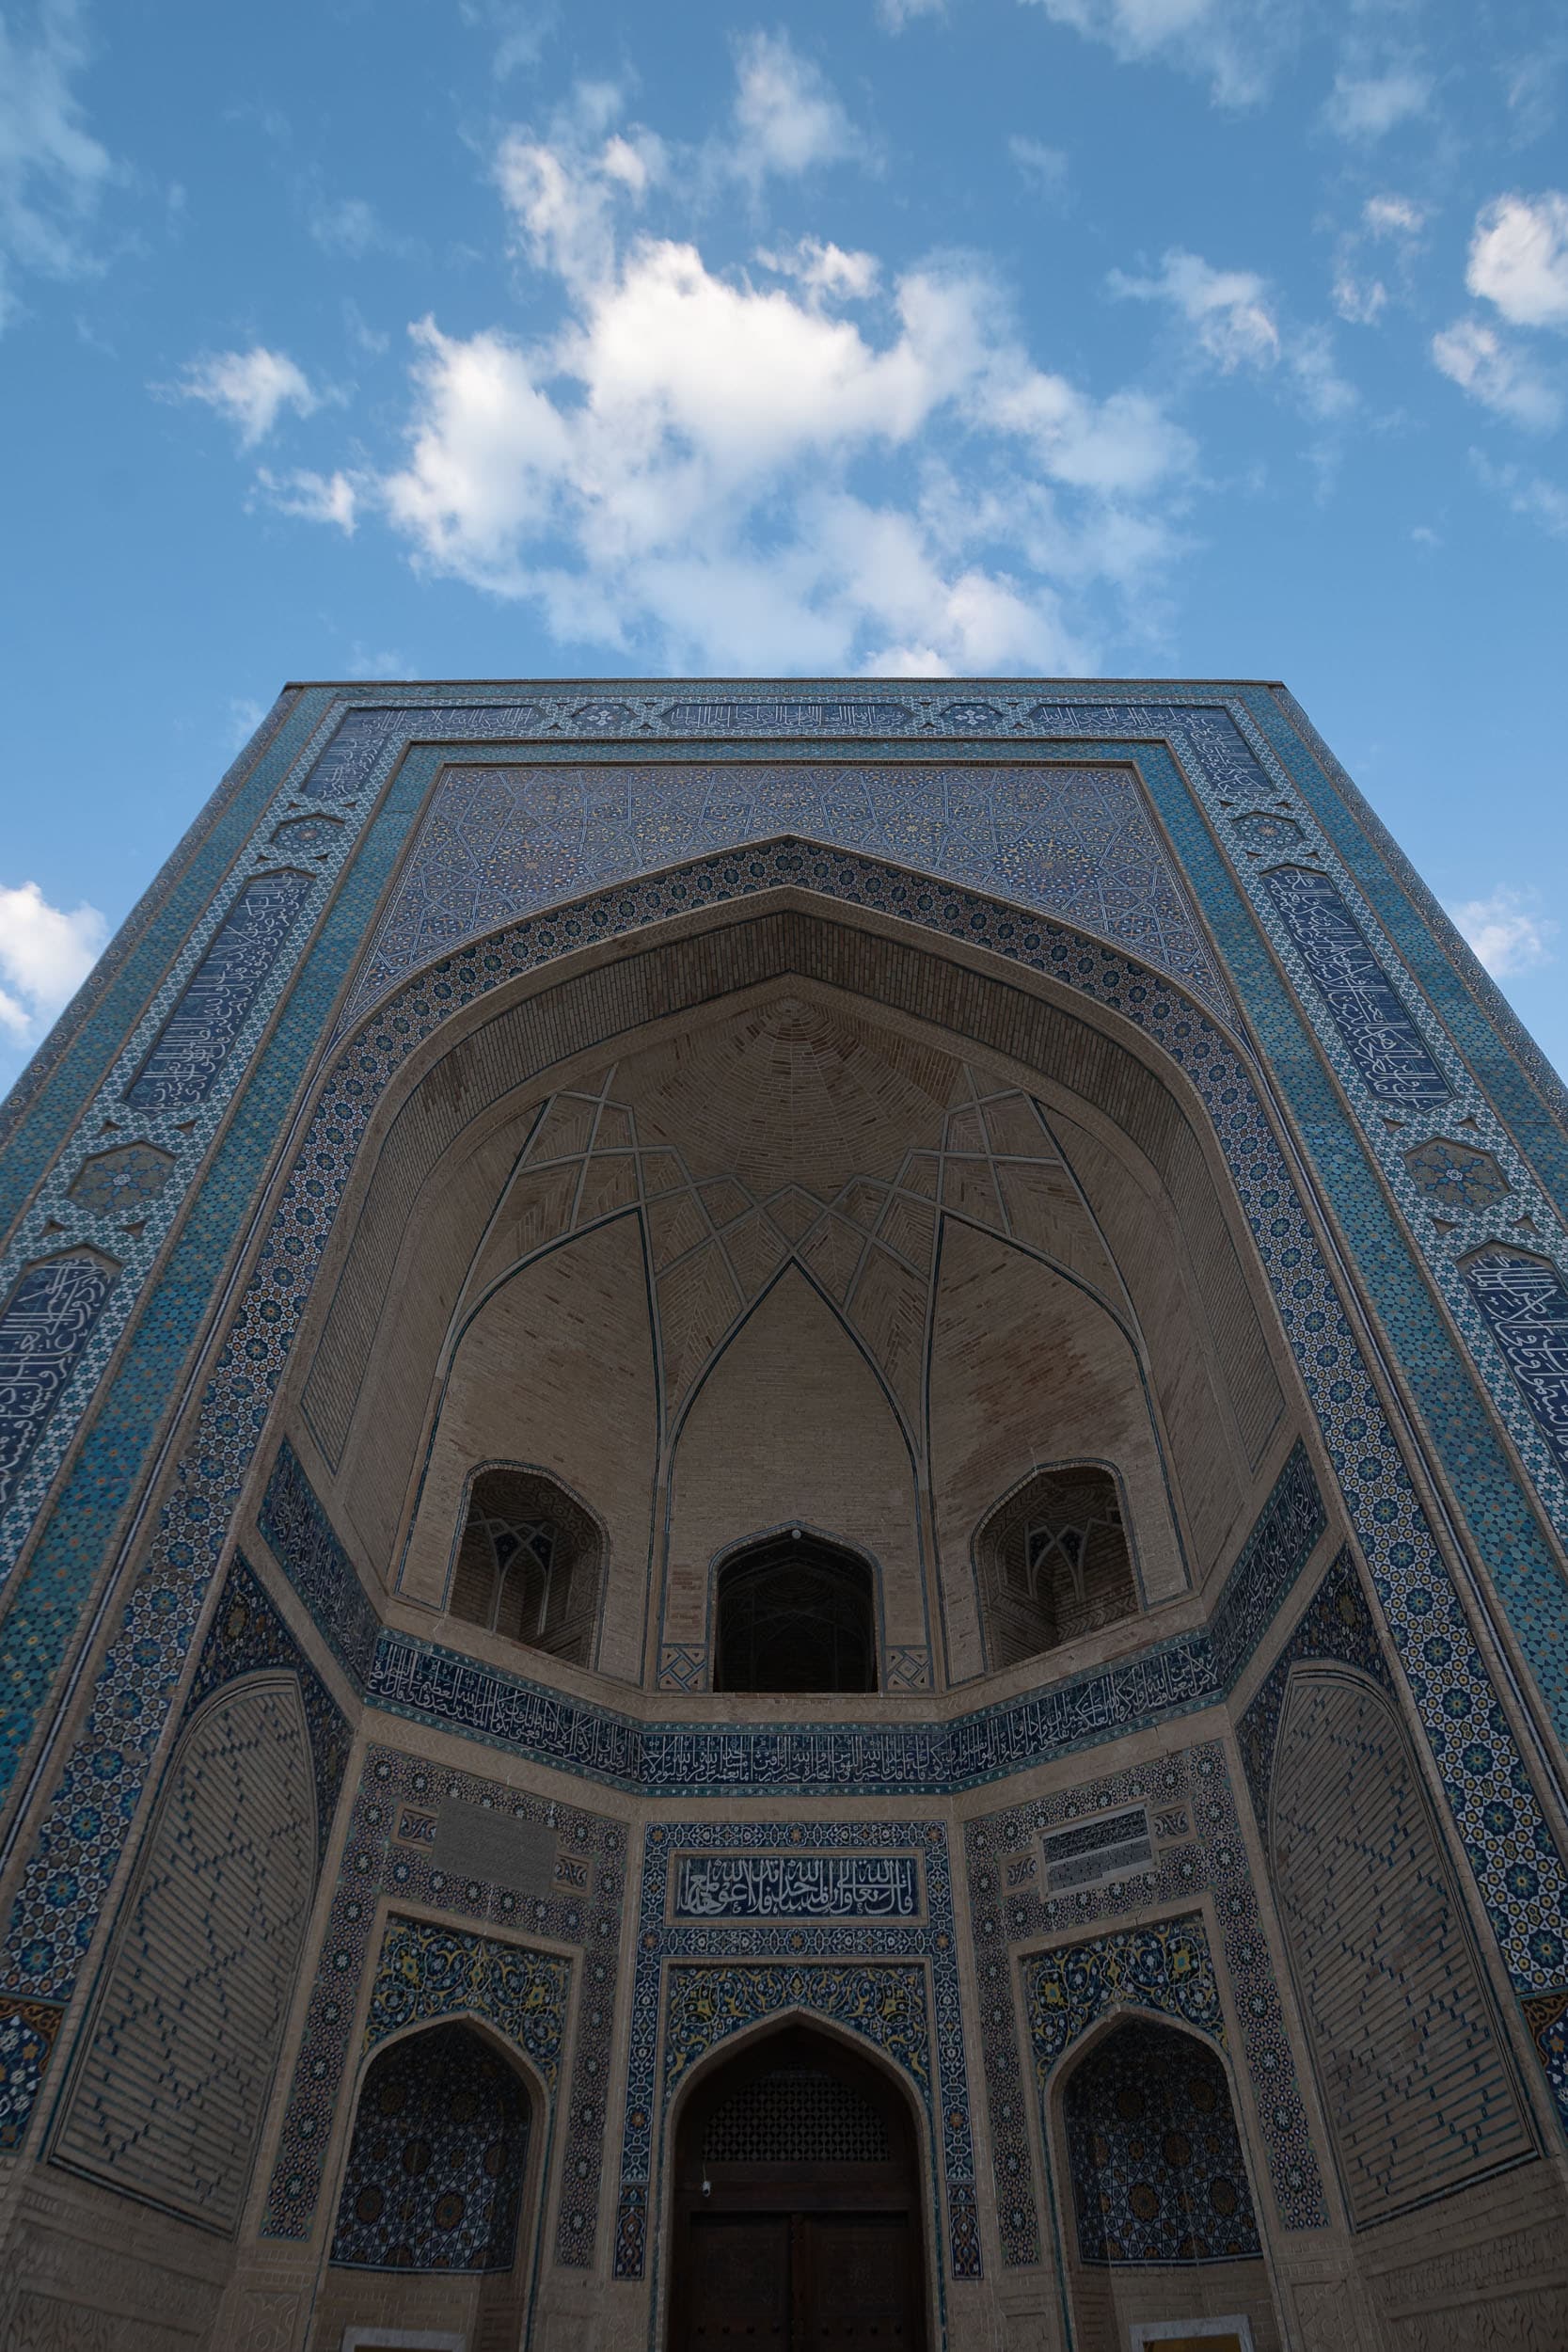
1400, 1566
1197, 1848
870, 1976
388, 1855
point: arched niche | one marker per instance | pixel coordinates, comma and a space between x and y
1130, 1201
1157, 2194
794, 1612
790, 1426
1401, 2028
553, 1371
167, 2097
798, 2205
433, 2223
1028, 1367
1053, 1562
530, 1562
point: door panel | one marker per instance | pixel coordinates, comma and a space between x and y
739, 2285
860, 2282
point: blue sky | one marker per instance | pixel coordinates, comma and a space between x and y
464, 338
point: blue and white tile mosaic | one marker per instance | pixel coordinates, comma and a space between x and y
193, 1044
709, 1978
434, 2173
1411, 1582
406, 1675
1165, 1967
45, 1325
1525, 1301
201, 1031
498, 843
1378, 1033
389, 1858
1198, 1849
1154, 2155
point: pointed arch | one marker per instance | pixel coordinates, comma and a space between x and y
165, 2101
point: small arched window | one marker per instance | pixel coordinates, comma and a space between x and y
1054, 1563
528, 1565
795, 1614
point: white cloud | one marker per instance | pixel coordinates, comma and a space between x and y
1530, 495
813, 465
1235, 45
1360, 301
45, 955
1323, 391
384, 664
311, 497
251, 387
825, 270
1506, 932
245, 716
1361, 295
1370, 104
1496, 373
1519, 259
1228, 310
1393, 216
52, 169
520, 32
346, 225
1044, 168
895, 14
786, 118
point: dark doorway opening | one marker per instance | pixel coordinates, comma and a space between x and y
795, 1614
797, 2206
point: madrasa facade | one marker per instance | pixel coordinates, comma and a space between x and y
783, 1486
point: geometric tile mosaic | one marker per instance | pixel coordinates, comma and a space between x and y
1168, 1967
1155, 2157
427, 1972
414, 1678
1381, 1027
434, 2172
870, 1977
1411, 1579
188, 1044
1456, 1175
499, 842
44, 1329
1231, 759
121, 1179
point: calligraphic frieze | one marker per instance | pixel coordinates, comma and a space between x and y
797, 1886
1525, 1302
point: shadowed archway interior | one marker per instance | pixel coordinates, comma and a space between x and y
794, 1614
797, 2216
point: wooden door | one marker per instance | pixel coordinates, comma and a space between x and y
740, 2283
861, 2282
796, 2225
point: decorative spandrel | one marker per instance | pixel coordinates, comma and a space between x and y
1075, 840
201, 1031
